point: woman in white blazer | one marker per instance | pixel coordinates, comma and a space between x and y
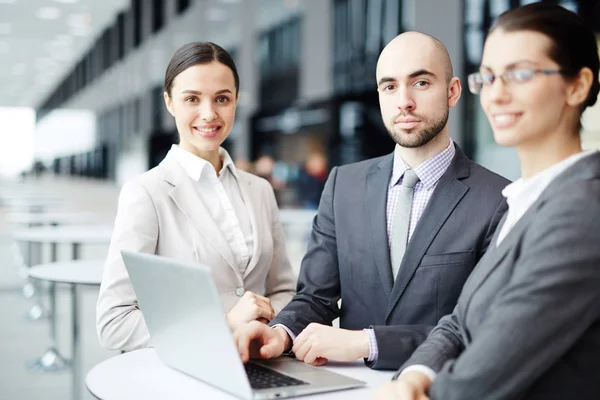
196, 206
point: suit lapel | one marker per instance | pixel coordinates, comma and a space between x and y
487, 263
375, 208
585, 169
252, 205
496, 255
185, 196
588, 168
447, 194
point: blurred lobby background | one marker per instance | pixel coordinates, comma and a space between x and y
82, 111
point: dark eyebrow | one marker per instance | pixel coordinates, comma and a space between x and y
385, 79
511, 65
421, 72
199, 93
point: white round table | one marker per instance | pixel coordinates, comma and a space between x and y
33, 219
51, 218
82, 272
141, 375
33, 204
76, 235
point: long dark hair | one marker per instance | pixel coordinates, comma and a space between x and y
196, 53
573, 43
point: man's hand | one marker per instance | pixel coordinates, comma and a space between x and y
412, 385
318, 343
257, 340
250, 307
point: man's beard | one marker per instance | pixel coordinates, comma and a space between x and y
421, 138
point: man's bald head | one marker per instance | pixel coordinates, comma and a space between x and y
416, 89
422, 44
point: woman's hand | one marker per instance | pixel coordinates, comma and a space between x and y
250, 307
412, 385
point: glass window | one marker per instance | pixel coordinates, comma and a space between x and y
392, 18
361, 29
158, 15
136, 7
279, 55
182, 5
120, 36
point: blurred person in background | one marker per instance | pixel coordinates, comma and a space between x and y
242, 164
527, 323
395, 237
311, 180
264, 166
196, 206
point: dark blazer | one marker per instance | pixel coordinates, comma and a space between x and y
348, 254
527, 324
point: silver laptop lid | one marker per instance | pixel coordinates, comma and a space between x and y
186, 320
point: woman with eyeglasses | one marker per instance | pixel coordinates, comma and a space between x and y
527, 323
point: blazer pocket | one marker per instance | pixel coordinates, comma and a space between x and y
447, 258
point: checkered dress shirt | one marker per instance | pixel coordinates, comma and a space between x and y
429, 173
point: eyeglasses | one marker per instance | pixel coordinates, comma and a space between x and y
478, 80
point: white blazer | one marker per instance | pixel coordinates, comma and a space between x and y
161, 213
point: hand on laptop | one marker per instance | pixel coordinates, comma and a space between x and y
250, 307
257, 340
318, 343
412, 385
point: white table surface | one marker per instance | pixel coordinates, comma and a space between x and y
87, 272
141, 375
32, 201
51, 218
16, 195
84, 234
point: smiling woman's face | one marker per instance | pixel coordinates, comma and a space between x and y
522, 113
203, 100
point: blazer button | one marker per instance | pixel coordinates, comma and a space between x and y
239, 292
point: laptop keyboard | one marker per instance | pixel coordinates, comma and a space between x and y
265, 378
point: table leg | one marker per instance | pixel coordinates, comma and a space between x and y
37, 311
76, 357
76, 251
54, 252
28, 288
52, 360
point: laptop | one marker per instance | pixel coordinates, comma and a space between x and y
187, 326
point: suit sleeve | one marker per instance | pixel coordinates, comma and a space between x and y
551, 299
280, 279
443, 343
119, 321
396, 343
318, 289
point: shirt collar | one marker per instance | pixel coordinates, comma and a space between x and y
429, 172
195, 166
523, 192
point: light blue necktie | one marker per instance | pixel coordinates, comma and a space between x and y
401, 220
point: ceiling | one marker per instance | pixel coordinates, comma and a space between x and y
41, 40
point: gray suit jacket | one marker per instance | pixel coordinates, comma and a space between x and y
527, 324
348, 255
